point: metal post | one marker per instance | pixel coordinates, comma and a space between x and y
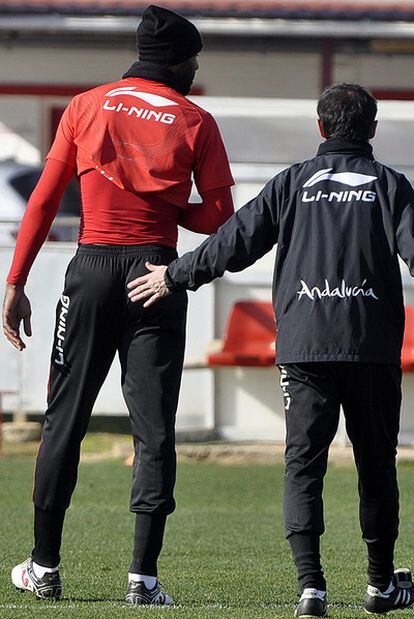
327, 63
19, 413
1, 424
2, 393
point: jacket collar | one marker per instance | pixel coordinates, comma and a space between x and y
346, 145
153, 72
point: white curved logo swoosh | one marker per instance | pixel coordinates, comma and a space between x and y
155, 100
352, 179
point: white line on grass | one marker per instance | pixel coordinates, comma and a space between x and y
62, 606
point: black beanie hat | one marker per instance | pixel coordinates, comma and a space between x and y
166, 38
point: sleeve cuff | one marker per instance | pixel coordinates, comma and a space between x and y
169, 282
16, 281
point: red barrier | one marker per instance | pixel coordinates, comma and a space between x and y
407, 357
249, 338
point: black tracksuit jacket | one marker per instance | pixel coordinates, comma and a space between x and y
340, 220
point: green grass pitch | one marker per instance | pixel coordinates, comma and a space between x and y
224, 557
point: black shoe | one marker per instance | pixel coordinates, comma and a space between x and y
137, 594
24, 579
402, 596
311, 604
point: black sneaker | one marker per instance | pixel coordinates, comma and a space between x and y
402, 596
24, 579
312, 603
137, 594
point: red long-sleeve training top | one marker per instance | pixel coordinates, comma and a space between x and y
135, 145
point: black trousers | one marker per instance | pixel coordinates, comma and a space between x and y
370, 395
94, 321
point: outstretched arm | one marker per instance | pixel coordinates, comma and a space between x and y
40, 213
244, 238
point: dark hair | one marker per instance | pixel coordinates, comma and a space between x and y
347, 110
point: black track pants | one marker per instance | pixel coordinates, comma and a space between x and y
371, 398
94, 321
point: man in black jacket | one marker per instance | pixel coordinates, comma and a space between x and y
340, 220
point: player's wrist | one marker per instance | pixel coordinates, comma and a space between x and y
14, 287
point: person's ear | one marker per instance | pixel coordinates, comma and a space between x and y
373, 130
321, 129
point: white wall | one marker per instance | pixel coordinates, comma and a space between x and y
27, 372
224, 73
238, 72
60, 65
259, 74
376, 70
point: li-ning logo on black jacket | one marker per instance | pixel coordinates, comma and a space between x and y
350, 179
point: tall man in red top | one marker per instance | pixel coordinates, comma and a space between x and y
135, 145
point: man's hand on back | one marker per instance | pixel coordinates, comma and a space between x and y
16, 308
151, 286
